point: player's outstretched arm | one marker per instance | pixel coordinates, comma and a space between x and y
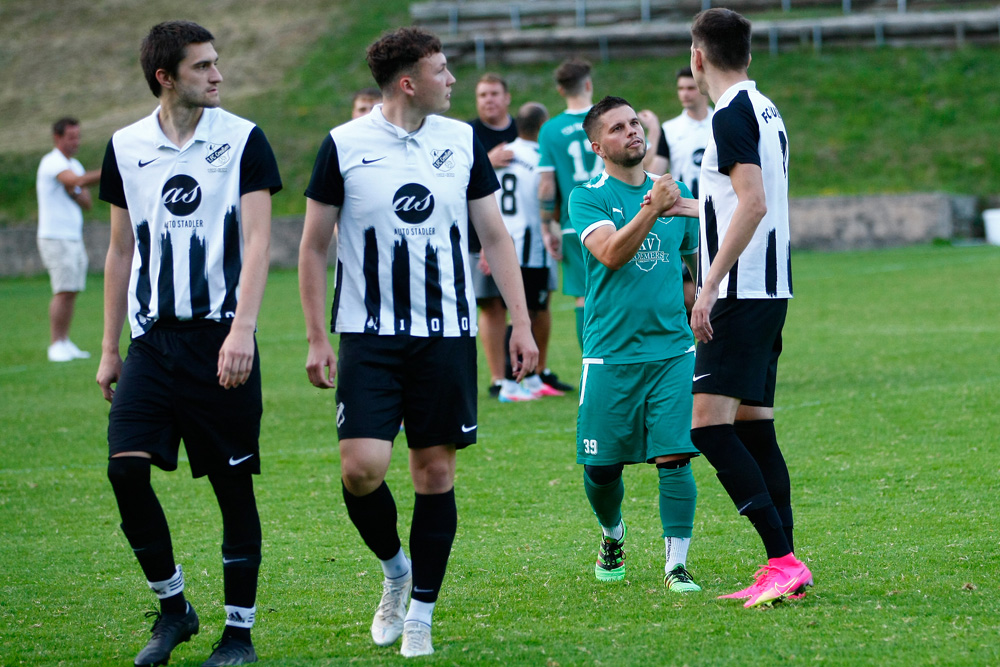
616, 247
117, 267
237, 352
499, 250
321, 220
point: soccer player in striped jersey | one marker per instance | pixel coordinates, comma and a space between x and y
745, 282
635, 398
190, 191
405, 183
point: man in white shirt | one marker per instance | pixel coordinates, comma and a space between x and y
61, 184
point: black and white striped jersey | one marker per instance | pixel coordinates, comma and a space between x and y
185, 209
402, 260
518, 201
747, 128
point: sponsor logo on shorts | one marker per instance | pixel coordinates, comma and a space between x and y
698, 377
340, 414
469, 429
233, 461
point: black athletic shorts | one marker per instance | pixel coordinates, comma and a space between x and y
741, 360
428, 382
169, 391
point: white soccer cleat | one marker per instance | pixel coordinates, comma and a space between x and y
77, 352
60, 351
512, 392
416, 639
387, 625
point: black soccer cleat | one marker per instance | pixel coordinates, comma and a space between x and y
231, 651
168, 631
551, 379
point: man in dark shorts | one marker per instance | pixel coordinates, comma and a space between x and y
403, 183
745, 282
190, 191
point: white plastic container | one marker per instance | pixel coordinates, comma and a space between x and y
991, 223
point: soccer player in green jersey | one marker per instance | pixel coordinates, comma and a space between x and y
638, 352
567, 160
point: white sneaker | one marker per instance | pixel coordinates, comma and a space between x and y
534, 384
512, 392
416, 639
60, 351
77, 352
387, 625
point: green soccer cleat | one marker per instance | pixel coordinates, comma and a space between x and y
679, 580
610, 565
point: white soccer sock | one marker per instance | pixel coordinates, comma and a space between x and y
420, 611
397, 566
677, 551
240, 617
616, 533
169, 587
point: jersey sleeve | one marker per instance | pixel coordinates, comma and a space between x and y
546, 160
327, 182
663, 148
586, 211
258, 166
482, 179
737, 134
112, 188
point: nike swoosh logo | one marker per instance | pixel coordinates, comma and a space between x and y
235, 462
367, 161
698, 377
423, 590
787, 587
227, 561
469, 429
143, 164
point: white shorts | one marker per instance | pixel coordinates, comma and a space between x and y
66, 261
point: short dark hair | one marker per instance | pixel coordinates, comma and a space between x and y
492, 77
399, 51
724, 38
684, 72
572, 74
60, 126
530, 117
367, 94
165, 47
592, 121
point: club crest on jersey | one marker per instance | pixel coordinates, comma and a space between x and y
413, 203
218, 154
443, 159
649, 253
181, 195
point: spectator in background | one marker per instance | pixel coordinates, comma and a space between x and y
62, 186
680, 143
363, 102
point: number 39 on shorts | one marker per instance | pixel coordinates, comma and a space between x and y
589, 446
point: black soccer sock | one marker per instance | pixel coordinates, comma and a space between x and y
241, 547
145, 525
374, 515
435, 520
742, 480
761, 441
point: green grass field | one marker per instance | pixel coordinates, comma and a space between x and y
887, 416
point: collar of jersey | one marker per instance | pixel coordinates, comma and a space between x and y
201, 133
733, 90
381, 121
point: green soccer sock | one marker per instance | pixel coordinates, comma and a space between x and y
606, 500
579, 325
678, 495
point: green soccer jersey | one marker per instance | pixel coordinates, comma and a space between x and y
634, 314
564, 147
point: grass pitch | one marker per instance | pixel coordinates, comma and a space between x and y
886, 413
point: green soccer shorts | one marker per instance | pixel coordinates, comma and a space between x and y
632, 413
